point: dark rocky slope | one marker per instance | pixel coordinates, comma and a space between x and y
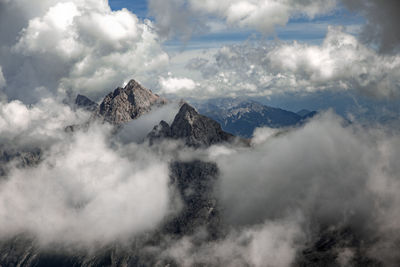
193, 128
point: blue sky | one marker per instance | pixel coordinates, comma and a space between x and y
139, 7
299, 29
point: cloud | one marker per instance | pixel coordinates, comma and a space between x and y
341, 63
137, 130
3, 82
35, 126
301, 170
278, 196
75, 46
331, 174
275, 243
85, 191
342, 60
185, 17
172, 85
382, 18
78, 190
275, 196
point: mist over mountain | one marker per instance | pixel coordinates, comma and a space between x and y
186, 192
259, 133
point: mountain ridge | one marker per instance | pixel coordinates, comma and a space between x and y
241, 116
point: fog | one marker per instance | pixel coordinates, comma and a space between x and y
93, 187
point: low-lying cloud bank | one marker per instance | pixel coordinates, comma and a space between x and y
275, 196
85, 190
280, 195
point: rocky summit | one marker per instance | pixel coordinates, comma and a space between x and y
130, 102
195, 129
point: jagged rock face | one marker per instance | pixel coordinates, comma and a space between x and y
160, 131
130, 102
195, 181
195, 129
84, 102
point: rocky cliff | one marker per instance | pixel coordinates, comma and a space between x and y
125, 104
193, 128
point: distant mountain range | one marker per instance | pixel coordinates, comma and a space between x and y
241, 116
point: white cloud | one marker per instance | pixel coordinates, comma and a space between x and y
177, 16
77, 46
85, 192
328, 173
38, 125
137, 130
273, 195
278, 196
341, 62
341, 58
173, 85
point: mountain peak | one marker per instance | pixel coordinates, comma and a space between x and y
193, 128
134, 84
187, 112
130, 102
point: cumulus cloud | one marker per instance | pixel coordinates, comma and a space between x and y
172, 85
40, 125
78, 46
185, 17
382, 18
341, 62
